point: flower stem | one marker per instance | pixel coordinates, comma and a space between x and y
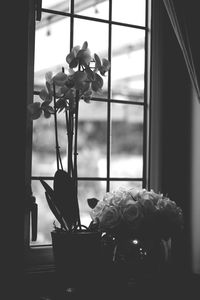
75, 157
56, 128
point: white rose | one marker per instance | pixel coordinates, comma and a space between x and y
109, 217
132, 214
134, 193
146, 200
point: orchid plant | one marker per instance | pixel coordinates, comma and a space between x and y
62, 93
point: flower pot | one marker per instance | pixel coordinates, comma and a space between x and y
139, 259
77, 256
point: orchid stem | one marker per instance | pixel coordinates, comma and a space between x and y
75, 157
56, 129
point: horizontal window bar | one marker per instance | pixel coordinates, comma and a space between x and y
61, 13
110, 100
92, 178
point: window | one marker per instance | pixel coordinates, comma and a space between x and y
113, 142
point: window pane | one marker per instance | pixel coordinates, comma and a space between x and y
89, 189
128, 56
45, 216
51, 48
92, 139
127, 140
129, 11
96, 34
59, 5
127, 184
96, 8
43, 144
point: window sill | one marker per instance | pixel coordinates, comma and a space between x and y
39, 260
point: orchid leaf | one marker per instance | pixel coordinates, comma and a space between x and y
47, 188
65, 197
55, 210
92, 202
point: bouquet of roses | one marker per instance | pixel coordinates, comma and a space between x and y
137, 212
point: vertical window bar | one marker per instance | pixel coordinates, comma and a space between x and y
146, 102
109, 96
38, 8
72, 25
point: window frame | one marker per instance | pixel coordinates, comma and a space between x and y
40, 258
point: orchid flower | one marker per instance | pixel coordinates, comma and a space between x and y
102, 65
79, 55
35, 110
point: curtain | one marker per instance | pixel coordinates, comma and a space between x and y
184, 18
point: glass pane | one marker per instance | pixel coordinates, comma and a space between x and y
92, 139
128, 57
51, 47
45, 216
129, 11
114, 185
43, 144
59, 5
96, 34
95, 9
127, 141
89, 189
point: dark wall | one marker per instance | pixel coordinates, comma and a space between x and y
13, 132
175, 114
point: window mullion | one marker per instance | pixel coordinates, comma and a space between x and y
146, 104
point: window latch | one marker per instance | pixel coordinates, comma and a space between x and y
38, 9
34, 218
33, 210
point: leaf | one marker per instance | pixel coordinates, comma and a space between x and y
65, 199
92, 202
47, 188
55, 210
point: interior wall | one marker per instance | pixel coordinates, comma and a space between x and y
171, 117
195, 184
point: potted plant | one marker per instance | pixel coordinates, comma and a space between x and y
75, 246
137, 226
